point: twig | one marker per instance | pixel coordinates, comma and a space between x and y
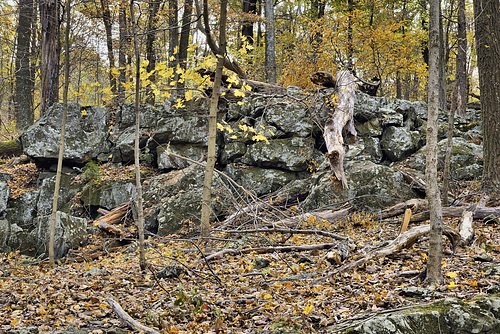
284, 230
127, 319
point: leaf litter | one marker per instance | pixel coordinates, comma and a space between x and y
183, 292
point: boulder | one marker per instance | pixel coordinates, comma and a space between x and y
23, 210
172, 197
259, 180
4, 196
108, 195
448, 316
67, 191
293, 154
71, 233
372, 187
86, 135
399, 142
291, 118
192, 151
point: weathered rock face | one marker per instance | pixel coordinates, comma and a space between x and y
71, 232
291, 153
448, 316
86, 135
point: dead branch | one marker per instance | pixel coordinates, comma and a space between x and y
112, 229
415, 204
466, 227
318, 216
404, 240
270, 249
480, 213
286, 231
341, 124
116, 215
127, 319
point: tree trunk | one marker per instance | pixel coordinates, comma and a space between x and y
340, 123
49, 70
154, 6
138, 185
173, 23
212, 123
123, 51
25, 80
184, 40
106, 19
434, 275
270, 42
487, 18
461, 62
63, 132
249, 7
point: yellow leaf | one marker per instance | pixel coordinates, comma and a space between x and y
451, 274
220, 127
451, 285
238, 93
308, 309
234, 137
188, 95
84, 112
268, 296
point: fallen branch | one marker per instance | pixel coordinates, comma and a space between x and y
415, 205
287, 231
404, 240
112, 229
271, 249
127, 319
458, 212
116, 215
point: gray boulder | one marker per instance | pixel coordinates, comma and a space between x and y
86, 135
260, 180
71, 233
371, 187
4, 196
399, 142
109, 195
448, 316
292, 154
23, 210
67, 191
191, 151
291, 118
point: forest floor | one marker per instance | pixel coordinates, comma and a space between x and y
184, 292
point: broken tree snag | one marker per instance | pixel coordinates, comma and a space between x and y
127, 319
114, 216
415, 204
466, 227
341, 124
324, 79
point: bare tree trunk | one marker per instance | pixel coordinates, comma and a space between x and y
173, 23
123, 51
212, 124
138, 185
340, 123
270, 42
25, 80
154, 6
63, 133
249, 7
461, 64
487, 16
106, 19
49, 71
434, 275
184, 39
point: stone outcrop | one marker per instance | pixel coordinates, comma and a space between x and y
266, 144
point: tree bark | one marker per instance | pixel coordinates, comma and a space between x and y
154, 6
63, 132
106, 19
138, 185
434, 275
249, 7
173, 38
212, 123
123, 51
49, 70
184, 39
341, 123
487, 16
270, 49
461, 61
25, 80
